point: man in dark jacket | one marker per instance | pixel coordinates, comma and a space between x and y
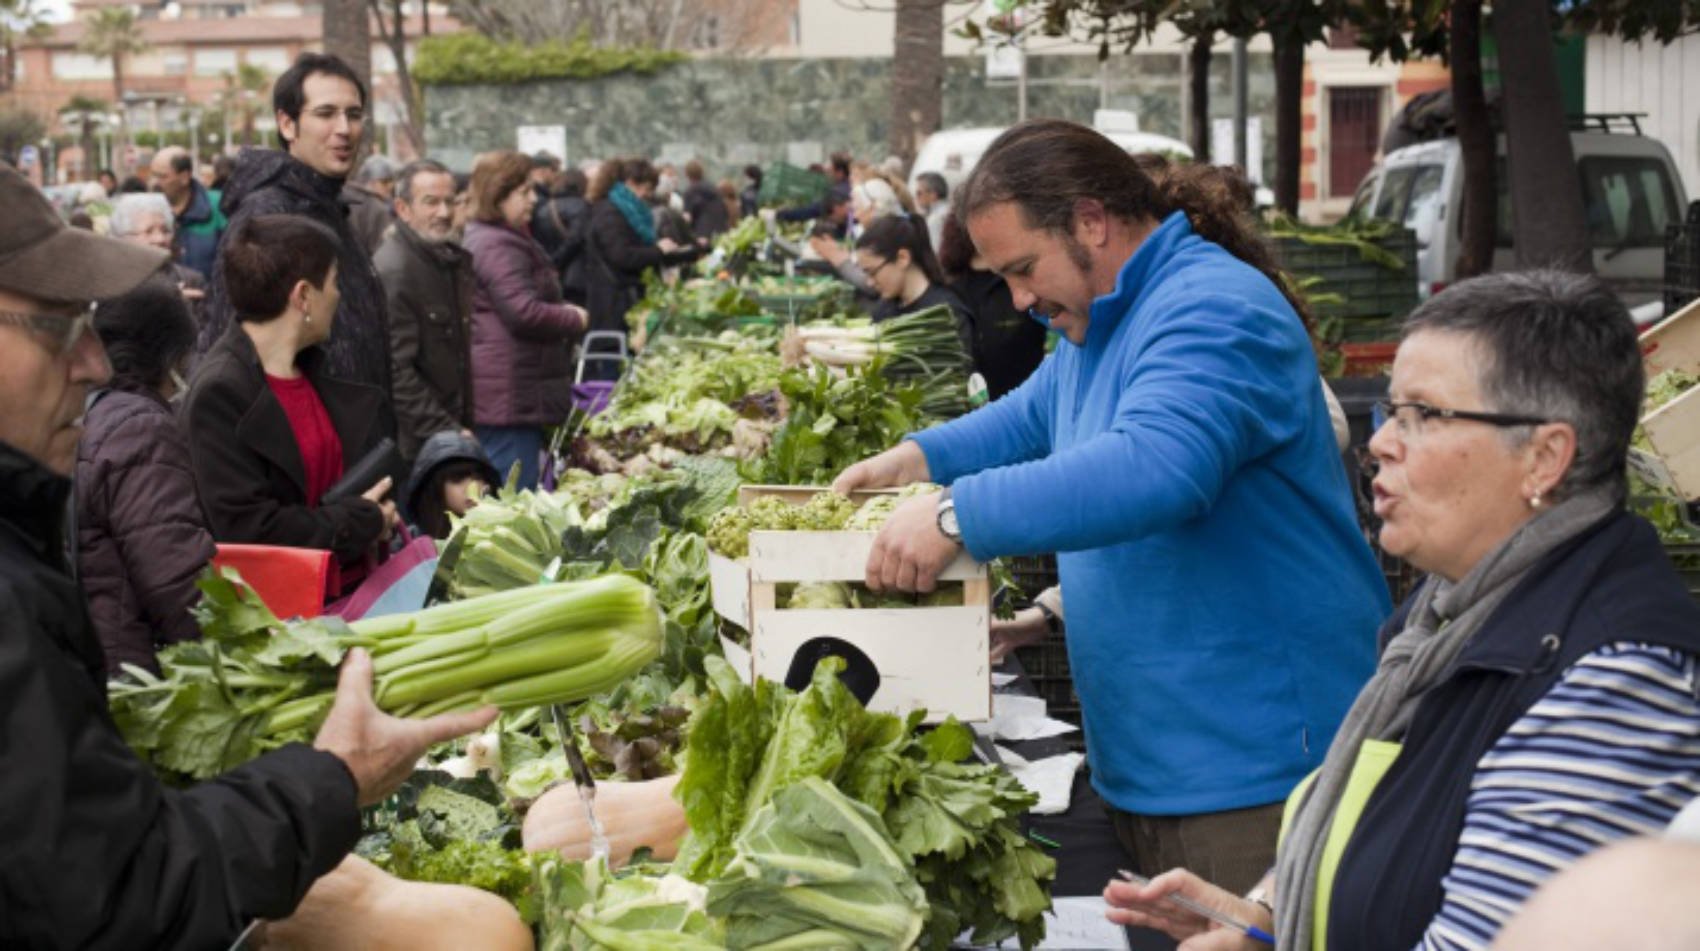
321, 108
199, 222
428, 280
708, 211
99, 853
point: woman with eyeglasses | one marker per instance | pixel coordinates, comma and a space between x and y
1538, 695
898, 259
141, 537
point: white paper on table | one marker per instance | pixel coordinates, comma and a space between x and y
1021, 718
1051, 778
1072, 924
1003, 680
1078, 924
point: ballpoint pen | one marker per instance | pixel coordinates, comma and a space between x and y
1221, 918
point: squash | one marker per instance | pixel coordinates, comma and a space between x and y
360, 907
633, 815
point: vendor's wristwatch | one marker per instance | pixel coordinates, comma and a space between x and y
947, 518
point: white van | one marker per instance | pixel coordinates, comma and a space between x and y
1630, 188
953, 153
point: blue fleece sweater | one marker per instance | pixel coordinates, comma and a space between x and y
1221, 602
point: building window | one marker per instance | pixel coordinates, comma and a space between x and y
1354, 135
174, 64
272, 59
80, 66
214, 62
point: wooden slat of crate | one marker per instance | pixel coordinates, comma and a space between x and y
830, 556
1674, 344
1673, 430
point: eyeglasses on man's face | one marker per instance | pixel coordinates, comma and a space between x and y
1410, 418
60, 329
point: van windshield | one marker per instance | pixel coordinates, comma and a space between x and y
1408, 192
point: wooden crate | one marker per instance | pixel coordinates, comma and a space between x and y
932, 657
1673, 430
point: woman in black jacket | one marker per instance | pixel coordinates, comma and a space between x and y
269, 430
623, 244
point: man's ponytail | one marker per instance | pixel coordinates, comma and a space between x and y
1220, 204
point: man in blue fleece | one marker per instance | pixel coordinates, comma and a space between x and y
1176, 452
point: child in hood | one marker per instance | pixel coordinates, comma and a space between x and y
449, 465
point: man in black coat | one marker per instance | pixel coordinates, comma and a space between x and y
709, 214
321, 109
98, 853
428, 280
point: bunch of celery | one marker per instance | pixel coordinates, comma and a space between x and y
255, 683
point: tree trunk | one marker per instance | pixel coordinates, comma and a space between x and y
917, 75
1198, 96
348, 34
85, 139
1289, 98
1475, 141
123, 161
1549, 226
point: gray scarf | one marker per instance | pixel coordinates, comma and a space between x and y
1442, 620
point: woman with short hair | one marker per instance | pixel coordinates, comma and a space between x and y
141, 537
145, 218
269, 430
1538, 695
522, 329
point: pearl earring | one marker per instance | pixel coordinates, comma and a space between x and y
1535, 502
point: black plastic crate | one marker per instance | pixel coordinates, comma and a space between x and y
1368, 288
1682, 261
1034, 573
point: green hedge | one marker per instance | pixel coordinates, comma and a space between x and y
465, 58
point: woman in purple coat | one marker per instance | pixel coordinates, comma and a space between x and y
522, 331
141, 537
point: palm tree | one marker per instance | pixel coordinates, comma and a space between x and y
112, 33
87, 113
18, 18
243, 91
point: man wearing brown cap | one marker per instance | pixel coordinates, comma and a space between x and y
94, 851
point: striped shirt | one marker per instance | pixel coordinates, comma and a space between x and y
1612, 750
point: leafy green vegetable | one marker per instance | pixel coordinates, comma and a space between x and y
453, 831
956, 824
814, 868
835, 422
585, 907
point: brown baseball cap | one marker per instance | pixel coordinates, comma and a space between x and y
43, 257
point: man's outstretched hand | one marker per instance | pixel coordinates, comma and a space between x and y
381, 750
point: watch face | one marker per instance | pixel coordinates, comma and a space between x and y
947, 522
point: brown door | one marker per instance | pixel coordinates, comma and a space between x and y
1354, 132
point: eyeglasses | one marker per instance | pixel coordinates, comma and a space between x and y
61, 330
871, 271
1409, 418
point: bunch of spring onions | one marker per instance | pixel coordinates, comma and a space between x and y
924, 348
